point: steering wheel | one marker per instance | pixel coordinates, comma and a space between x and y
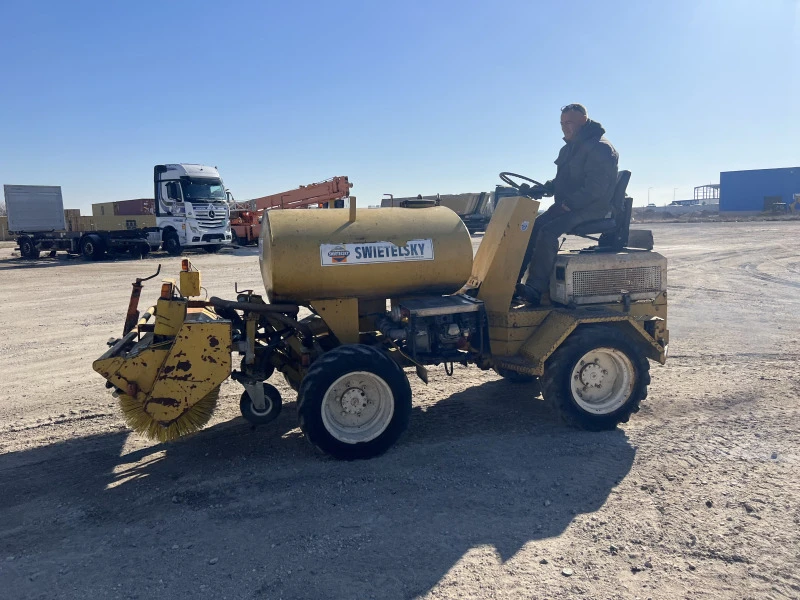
506, 177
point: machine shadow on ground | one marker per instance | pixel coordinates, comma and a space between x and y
485, 466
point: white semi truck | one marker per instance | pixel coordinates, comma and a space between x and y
190, 211
191, 207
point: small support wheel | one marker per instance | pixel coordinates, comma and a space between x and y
272, 406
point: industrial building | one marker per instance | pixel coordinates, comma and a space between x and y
760, 190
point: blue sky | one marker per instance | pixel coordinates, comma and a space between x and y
403, 97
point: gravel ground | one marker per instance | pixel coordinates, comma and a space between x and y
487, 495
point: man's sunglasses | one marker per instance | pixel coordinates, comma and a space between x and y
575, 107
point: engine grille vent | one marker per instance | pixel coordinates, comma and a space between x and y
615, 281
211, 216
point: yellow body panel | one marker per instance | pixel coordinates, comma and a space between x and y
198, 362
499, 257
299, 260
170, 315
341, 316
190, 283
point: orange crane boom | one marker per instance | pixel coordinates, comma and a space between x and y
329, 190
246, 216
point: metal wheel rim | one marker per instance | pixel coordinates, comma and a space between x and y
268, 405
88, 247
357, 407
602, 380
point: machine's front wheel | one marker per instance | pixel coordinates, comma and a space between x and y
354, 402
271, 410
597, 378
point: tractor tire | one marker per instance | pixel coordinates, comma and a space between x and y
354, 402
597, 378
272, 401
27, 248
92, 247
212, 248
172, 244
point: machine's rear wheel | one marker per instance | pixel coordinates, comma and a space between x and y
597, 378
27, 248
354, 402
272, 406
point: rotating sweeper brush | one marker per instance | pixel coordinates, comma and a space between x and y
167, 368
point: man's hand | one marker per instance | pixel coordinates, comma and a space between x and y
536, 192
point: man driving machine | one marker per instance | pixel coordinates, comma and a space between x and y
586, 175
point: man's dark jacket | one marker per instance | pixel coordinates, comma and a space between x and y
587, 172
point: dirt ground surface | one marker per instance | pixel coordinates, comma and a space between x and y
487, 495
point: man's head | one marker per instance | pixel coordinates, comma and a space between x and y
573, 117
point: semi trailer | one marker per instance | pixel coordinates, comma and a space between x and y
189, 210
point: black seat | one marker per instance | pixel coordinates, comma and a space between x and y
613, 230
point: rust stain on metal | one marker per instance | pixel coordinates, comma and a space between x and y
166, 402
213, 341
184, 365
210, 359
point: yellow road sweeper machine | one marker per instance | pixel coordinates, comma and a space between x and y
357, 300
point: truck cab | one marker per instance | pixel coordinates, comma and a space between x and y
191, 207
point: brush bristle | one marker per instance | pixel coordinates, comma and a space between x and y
192, 420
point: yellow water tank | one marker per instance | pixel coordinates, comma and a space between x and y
317, 254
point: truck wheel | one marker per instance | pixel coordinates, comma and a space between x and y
272, 406
139, 250
354, 402
172, 244
212, 248
27, 248
92, 247
597, 378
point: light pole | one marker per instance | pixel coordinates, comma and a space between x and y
648, 194
673, 194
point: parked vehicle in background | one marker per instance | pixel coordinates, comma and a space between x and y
189, 210
37, 219
191, 207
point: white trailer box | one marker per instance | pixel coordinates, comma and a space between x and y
34, 208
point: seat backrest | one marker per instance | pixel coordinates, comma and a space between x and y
618, 199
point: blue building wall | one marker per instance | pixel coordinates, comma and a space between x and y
744, 191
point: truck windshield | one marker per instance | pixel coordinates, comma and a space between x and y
205, 189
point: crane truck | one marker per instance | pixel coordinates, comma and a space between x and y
190, 210
246, 216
